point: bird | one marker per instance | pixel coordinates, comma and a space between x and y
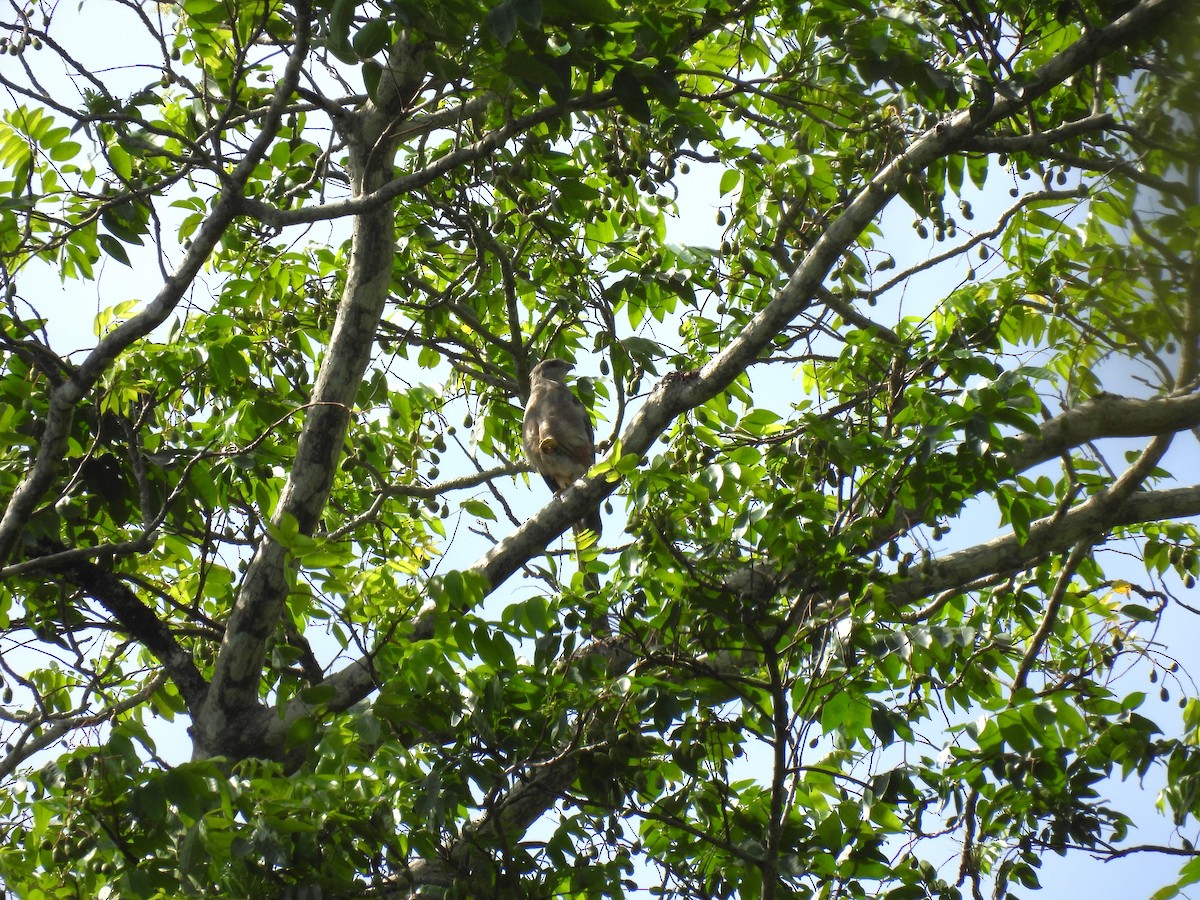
557, 433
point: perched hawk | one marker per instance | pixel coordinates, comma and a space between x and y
557, 432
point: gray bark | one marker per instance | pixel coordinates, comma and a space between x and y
232, 721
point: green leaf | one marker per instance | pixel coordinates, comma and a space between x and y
455, 588
65, 150
372, 37
318, 694
662, 84
630, 94
113, 248
1139, 613
301, 732
502, 21
372, 71
584, 12
529, 11
479, 509
341, 17
494, 649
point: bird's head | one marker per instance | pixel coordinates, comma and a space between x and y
552, 370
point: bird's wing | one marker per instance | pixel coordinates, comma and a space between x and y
567, 421
557, 434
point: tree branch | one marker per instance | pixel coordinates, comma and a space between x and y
1008, 554
384, 194
29, 744
1105, 416
680, 392
64, 398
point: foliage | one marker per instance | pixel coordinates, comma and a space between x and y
242, 520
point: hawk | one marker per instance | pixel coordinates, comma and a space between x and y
557, 432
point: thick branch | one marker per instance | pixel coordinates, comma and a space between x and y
384, 194
233, 722
1042, 140
1006, 555
1105, 416
683, 391
140, 622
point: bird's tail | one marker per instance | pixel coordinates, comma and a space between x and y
591, 522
